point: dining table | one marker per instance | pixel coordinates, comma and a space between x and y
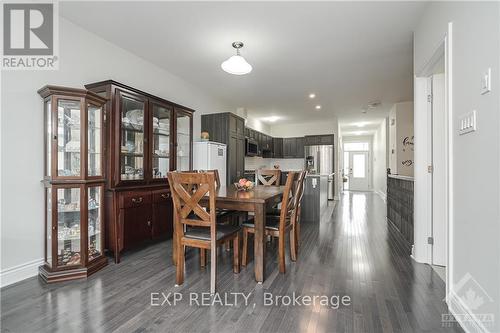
255, 200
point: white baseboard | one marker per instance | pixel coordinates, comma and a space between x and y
459, 310
20, 272
382, 195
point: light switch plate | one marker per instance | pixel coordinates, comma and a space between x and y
467, 123
486, 82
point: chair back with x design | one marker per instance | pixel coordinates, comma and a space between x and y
216, 175
289, 202
188, 188
268, 177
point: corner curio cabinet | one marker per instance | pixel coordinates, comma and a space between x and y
147, 137
74, 183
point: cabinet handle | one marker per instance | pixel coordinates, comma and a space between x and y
138, 200
165, 195
149, 223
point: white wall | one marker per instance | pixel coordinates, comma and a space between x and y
84, 58
475, 229
315, 128
258, 125
401, 127
379, 159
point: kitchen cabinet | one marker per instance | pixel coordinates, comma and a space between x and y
314, 140
228, 128
74, 181
299, 148
289, 147
146, 137
277, 147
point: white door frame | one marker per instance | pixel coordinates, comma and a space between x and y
367, 169
422, 251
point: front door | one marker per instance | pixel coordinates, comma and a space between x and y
358, 171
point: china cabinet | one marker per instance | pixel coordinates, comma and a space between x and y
147, 137
74, 183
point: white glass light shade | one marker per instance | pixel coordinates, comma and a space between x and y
236, 65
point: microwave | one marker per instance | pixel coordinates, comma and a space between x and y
252, 148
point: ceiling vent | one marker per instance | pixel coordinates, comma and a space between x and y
373, 105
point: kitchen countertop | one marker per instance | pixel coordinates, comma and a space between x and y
285, 171
401, 177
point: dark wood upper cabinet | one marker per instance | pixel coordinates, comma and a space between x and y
299, 148
229, 128
313, 140
146, 137
277, 147
289, 147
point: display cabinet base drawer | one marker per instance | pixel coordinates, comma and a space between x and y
134, 199
161, 196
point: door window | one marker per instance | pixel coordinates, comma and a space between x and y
358, 166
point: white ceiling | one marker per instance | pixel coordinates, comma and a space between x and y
348, 53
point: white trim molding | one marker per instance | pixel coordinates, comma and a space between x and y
382, 195
20, 272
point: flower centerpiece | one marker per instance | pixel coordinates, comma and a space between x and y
243, 185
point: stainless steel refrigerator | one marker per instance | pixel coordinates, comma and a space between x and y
319, 160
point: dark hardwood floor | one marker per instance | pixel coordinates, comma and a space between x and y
348, 254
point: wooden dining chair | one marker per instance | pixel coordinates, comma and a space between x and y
224, 216
277, 226
201, 230
294, 246
269, 177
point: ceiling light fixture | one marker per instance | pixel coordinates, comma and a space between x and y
271, 119
312, 95
318, 107
236, 64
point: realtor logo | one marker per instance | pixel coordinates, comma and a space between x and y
29, 37
472, 299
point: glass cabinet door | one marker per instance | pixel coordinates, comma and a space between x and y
183, 126
68, 227
161, 116
94, 140
132, 139
68, 138
95, 226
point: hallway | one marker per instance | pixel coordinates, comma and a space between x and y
348, 254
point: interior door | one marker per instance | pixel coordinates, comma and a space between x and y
439, 171
358, 171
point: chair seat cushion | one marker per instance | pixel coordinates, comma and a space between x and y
272, 223
203, 233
